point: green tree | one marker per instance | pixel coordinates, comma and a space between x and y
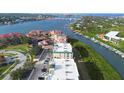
17, 75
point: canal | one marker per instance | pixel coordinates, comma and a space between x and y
62, 25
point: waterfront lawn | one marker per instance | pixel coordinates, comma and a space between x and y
119, 46
98, 68
93, 25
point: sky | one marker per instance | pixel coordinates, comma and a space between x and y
61, 6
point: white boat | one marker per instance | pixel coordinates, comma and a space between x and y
122, 55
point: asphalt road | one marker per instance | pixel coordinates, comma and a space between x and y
43, 55
39, 66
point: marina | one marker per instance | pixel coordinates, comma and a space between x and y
121, 54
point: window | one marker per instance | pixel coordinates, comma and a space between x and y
60, 55
67, 65
68, 72
65, 55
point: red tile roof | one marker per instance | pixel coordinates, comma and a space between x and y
9, 35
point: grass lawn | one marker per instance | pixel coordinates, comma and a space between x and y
7, 68
2, 69
8, 54
98, 68
21, 48
121, 34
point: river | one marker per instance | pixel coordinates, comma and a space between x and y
61, 24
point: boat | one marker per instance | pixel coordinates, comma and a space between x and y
122, 55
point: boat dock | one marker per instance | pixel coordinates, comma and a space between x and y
121, 54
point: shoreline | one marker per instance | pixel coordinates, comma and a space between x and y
115, 50
94, 61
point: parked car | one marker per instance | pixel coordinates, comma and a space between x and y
48, 58
44, 69
46, 62
41, 78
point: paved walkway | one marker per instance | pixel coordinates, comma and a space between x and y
22, 59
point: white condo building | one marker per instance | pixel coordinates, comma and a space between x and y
64, 69
62, 65
62, 51
112, 36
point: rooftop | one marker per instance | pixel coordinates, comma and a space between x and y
65, 69
113, 34
62, 47
10, 35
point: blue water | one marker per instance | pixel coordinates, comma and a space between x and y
116, 61
28, 26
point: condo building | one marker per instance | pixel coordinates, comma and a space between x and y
62, 65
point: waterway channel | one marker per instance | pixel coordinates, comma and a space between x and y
62, 25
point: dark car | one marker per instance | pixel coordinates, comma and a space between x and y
41, 78
48, 58
46, 62
44, 69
